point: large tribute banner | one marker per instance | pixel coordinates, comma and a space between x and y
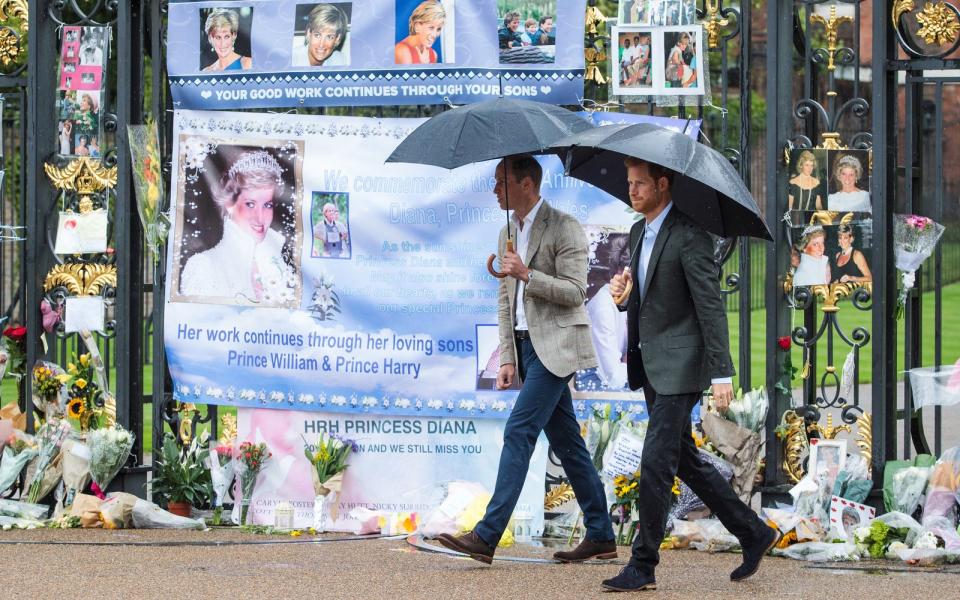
307, 274
401, 464
290, 53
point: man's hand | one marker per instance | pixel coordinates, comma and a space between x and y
619, 283
511, 265
722, 395
505, 376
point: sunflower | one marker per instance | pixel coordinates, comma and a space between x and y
76, 407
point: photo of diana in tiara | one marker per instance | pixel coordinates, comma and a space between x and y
253, 261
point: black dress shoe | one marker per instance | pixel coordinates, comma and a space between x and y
754, 553
470, 544
586, 550
630, 579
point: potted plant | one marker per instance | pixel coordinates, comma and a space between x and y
181, 478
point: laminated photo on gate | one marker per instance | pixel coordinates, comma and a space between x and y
83, 56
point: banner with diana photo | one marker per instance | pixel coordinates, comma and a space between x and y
307, 274
291, 53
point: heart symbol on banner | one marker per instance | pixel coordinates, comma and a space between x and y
205, 94
71, 224
545, 89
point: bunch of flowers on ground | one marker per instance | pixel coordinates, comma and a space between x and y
109, 450
49, 438
250, 460
329, 462
18, 451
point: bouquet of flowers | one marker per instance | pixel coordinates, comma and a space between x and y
222, 470
144, 143
13, 351
49, 439
85, 398
250, 460
627, 493
109, 450
329, 462
20, 450
914, 238
47, 384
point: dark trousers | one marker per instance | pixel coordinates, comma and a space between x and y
668, 451
544, 404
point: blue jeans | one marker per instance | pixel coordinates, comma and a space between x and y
544, 404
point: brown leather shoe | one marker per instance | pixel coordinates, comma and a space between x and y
586, 550
468, 543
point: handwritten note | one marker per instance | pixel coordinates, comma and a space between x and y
622, 456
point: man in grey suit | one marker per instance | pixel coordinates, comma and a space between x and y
545, 338
677, 346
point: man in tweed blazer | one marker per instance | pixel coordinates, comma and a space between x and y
545, 338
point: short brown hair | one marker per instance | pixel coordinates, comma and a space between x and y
524, 165
656, 171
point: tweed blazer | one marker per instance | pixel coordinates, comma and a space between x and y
553, 299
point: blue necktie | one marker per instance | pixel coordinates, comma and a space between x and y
646, 249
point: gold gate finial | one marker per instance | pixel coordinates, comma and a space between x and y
831, 26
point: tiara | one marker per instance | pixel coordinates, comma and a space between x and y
811, 229
256, 161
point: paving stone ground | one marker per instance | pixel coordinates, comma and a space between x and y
54, 564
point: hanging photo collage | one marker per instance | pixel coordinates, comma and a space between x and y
658, 60
830, 213
83, 55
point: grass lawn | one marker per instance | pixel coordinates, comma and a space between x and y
848, 317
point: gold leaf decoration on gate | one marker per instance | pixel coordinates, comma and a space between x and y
86, 176
828, 432
228, 429
795, 444
865, 436
713, 23
938, 24
81, 279
16, 9
900, 7
831, 27
558, 496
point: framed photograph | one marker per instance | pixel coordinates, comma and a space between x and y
846, 516
525, 31
827, 458
238, 233
633, 12
807, 186
634, 68
424, 32
849, 180
321, 35
682, 48
225, 39
658, 61
330, 225
838, 252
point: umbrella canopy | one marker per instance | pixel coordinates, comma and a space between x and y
487, 130
707, 188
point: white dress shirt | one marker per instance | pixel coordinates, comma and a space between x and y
522, 240
649, 240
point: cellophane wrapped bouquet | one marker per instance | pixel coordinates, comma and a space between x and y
109, 450
329, 462
914, 239
49, 439
222, 471
20, 449
250, 460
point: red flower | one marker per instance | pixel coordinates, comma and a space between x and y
784, 343
248, 455
15, 333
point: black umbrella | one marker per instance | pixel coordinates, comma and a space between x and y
707, 188
485, 131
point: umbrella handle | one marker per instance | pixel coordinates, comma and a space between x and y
490, 260
626, 290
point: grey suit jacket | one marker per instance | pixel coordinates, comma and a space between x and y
677, 335
553, 299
